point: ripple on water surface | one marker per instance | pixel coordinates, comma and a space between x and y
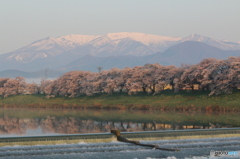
194, 149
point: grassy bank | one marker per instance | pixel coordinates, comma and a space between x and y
167, 100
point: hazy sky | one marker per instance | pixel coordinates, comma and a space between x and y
25, 21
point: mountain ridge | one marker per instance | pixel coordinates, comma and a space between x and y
55, 53
188, 52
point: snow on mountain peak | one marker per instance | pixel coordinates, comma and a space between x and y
196, 37
141, 37
71, 41
44, 44
50, 38
79, 39
123, 43
70, 47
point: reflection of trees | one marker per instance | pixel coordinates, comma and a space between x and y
16, 125
72, 125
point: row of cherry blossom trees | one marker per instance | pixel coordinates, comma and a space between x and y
217, 76
16, 86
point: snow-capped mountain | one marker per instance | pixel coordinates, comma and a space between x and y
224, 45
112, 44
56, 52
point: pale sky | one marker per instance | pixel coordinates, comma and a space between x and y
25, 21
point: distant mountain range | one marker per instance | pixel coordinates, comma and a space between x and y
42, 74
188, 52
86, 52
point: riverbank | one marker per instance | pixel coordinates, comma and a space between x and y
166, 101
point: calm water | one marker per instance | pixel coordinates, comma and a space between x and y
22, 122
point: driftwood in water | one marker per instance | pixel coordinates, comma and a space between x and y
123, 139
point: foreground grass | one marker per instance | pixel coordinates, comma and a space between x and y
167, 100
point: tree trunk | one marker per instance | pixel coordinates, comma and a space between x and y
192, 87
144, 89
153, 88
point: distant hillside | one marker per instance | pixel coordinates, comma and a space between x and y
38, 74
125, 49
189, 52
90, 63
14, 74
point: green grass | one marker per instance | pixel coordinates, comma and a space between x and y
167, 100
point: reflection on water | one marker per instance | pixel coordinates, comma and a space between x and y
16, 122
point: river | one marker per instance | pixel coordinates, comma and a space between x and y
25, 122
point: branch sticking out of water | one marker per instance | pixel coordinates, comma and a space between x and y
123, 139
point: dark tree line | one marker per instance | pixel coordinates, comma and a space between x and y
217, 76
